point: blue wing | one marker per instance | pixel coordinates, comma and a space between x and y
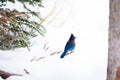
68, 47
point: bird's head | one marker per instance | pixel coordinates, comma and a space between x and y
72, 37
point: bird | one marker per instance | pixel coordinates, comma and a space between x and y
70, 45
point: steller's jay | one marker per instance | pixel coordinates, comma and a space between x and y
70, 45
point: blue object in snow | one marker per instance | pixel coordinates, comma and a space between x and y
70, 45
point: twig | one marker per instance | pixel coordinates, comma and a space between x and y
53, 53
5, 75
26, 71
40, 58
33, 59
70, 52
59, 52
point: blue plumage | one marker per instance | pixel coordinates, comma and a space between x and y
70, 45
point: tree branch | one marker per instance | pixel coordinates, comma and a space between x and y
5, 75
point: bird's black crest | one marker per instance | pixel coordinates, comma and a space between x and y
72, 37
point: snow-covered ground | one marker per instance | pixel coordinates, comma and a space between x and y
88, 21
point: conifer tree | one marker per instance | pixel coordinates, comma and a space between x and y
17, 27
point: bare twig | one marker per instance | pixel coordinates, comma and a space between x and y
33, 59
45, 46
5, 75
59, 52
53, 53
70, 52
26, 71
39, 58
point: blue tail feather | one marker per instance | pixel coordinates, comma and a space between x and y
63, 54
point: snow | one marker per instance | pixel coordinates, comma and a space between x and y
88, 21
